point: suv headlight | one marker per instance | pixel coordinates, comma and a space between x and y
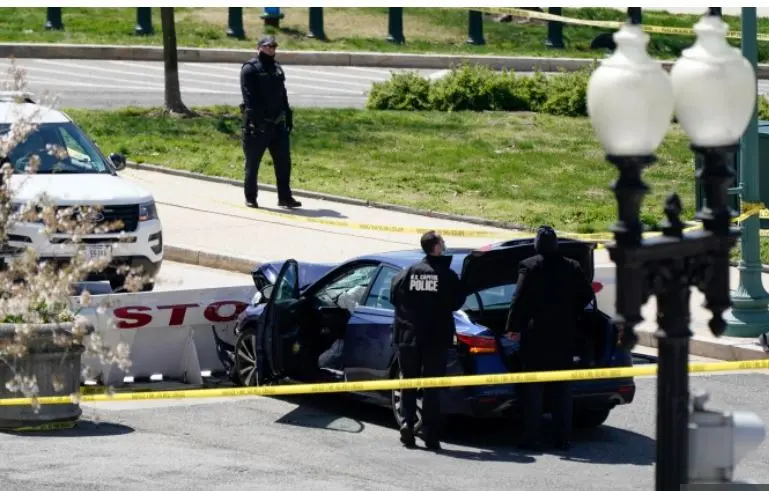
148, 211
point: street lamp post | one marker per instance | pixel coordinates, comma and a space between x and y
749, 316
631, 101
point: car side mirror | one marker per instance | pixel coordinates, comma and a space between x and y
118, 161
267, 292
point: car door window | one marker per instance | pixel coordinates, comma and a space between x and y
379, 297
286, 288
346, 291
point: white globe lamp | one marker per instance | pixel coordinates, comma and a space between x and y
714, 86
630, 97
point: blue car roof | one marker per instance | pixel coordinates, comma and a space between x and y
406, 258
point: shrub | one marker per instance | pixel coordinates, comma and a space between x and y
534, 90
479, 88
402, 92
467, 88
567, 94
763, 107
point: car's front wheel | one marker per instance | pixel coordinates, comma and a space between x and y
247, 358
397, 406
590, 418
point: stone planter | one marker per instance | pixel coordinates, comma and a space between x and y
45, 360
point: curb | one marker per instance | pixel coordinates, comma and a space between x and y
195, 257
704, 347
698, 346
334, 198
317, 58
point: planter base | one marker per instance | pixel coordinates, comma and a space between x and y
57, 371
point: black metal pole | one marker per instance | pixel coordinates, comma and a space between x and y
554, 30
143, 21
235, 23
53, 20
395, 25
475, 28
316, 24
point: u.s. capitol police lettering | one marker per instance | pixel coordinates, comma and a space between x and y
425, 282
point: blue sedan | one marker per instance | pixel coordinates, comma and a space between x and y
314, 322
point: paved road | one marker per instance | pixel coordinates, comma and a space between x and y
107, 84
179, 276
319, 442
111, 84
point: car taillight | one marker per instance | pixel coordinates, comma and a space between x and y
597, 286
478, 344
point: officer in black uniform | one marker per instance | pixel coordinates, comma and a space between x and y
551, 294
267, 122
425, 295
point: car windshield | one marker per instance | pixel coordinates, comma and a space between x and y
72, 152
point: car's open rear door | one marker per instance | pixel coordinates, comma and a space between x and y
280, 318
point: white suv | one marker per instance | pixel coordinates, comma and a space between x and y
83, 177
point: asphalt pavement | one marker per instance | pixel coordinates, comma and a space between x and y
104, 84
101, 84
326, 442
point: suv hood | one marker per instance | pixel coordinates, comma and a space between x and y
497, 264
78, 189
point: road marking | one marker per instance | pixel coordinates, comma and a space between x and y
290, 78
234, 79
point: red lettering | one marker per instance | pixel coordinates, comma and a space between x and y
139, 319
177, 312
212, 311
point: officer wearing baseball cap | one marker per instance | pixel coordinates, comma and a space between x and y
267, 122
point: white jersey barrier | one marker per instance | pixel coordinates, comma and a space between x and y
171, 334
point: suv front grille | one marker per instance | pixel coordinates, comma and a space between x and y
128, 214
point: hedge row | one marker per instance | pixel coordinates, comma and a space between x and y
478, 88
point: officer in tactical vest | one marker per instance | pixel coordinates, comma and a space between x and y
425, 296
267, 122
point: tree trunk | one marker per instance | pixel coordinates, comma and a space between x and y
173, 93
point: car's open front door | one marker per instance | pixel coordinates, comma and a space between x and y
280, 318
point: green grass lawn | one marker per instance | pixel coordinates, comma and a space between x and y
439, 30
521, 168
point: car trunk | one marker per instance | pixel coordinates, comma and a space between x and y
497, 265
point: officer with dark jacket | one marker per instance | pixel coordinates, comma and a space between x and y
267, 122
551, 294
425, 296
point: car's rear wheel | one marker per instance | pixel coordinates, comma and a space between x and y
247, 359
590, 418
397, 406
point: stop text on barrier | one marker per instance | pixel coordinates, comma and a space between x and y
138, 316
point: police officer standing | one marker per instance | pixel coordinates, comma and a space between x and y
551, 294
425, 296
267, 122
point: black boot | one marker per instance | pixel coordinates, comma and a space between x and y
289, 203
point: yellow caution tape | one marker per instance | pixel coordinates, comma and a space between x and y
679, 31
749, 209
54, 426
392, 384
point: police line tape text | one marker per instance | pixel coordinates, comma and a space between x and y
138, 316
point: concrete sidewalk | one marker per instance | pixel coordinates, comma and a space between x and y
207, 223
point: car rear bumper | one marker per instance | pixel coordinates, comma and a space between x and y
491, 401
